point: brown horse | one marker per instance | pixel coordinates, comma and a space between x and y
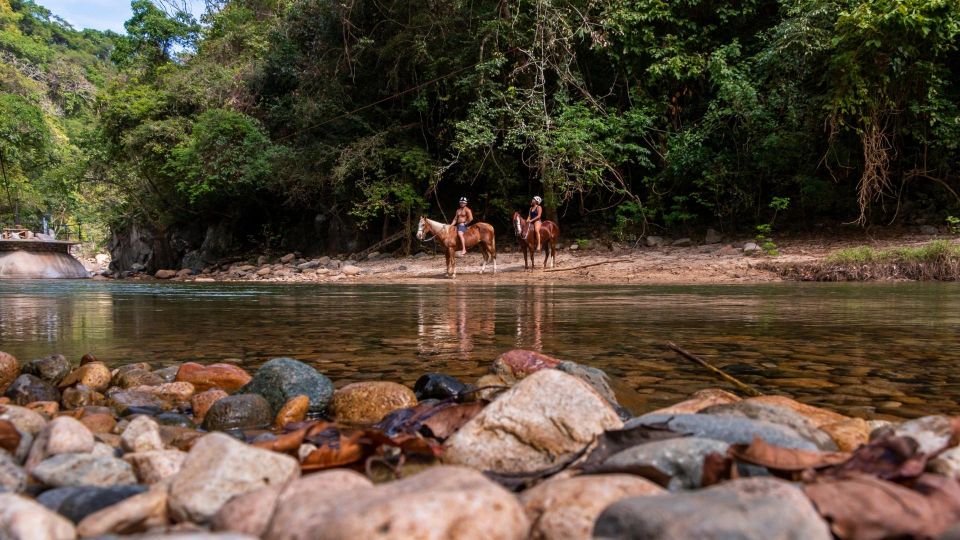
478, 233
549, 233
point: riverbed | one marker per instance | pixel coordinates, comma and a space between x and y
871, 350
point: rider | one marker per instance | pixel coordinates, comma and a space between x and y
463, 218
535, 217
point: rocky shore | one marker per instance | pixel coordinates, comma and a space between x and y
537, 448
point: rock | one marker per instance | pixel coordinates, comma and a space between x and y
99, 422
441, 503
680, 458
514, 365
249, 513
86, 500
172, 394
713, 237
820, 417
22, 418
202, 402
24, 519
83, 470
88, 358
134, 514
224, 376
281, 379
63, 435
175, 419
567, 508
775, 414
241, 411
165, 274
156, 465
141, 435
597, 379
541, 422
51, 369
219, 467
849, 434
319, 489
682, 242
95, 375
12, 477
931, 432
698, 401
309, 265
287, 258
47, 409
130, 378
748, 509
438, 386
184, 272
53, 498
265, 271
750, 247
81, 396
168, 374
729, 429
653, 241
367, 402
294, 410
9, 370
127, 402
351, 270
28, 389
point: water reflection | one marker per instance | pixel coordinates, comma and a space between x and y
865, 349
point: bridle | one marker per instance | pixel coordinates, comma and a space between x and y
421, 236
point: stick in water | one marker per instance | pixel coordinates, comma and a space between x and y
744, 387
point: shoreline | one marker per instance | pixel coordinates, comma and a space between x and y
607, 264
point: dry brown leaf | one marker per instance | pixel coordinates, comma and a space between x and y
864, 507
448, 420
759, 452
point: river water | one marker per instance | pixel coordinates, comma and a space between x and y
871, 350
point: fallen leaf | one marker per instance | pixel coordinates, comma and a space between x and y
890, 457
861, 506
759, 452
334, 448
9, 437
448, 420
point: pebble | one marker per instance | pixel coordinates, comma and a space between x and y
567, 508
438, 386
778, 415
85, 500
224, 376
155, 466
294, 410
81, 396
365, 403
217, 468
12, 476
29, 388
680, 458
142, 434
134, 514
94, 375
127, 402
9, 370
129, 378
241, 411
745, 509
63, 435
729, 429
202, 402
83, 470
281, 379
24, 519
51, 369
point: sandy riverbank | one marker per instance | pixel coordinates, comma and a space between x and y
612, 263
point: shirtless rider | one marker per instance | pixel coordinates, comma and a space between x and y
463, 218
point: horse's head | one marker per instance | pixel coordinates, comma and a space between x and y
517, 224
420, 228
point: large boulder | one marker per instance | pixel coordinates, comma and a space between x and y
219, 467
367, 402
729, 429
681, 459
543, 421
745, 509
441, 503
283, 378
24, 519
567, 508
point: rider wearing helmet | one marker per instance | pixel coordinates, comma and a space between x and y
462, 218
535, 217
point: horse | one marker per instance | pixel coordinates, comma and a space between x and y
478, 233
549, 233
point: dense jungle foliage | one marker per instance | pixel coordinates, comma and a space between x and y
279, 120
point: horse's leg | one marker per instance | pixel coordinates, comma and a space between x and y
553, 251
483, 252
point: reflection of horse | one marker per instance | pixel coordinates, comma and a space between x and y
478, 233
549, 233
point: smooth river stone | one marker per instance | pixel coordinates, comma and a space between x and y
241, 411
281, 379
681, 459
542, 421
9, 370
24, 519
729, 429
94, 375
51, 369
224, 376
201, 402
366, 403
294, 410
776, 414
27, 389
84, 470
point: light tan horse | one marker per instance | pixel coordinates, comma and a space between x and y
446, 235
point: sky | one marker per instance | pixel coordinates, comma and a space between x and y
98, 14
